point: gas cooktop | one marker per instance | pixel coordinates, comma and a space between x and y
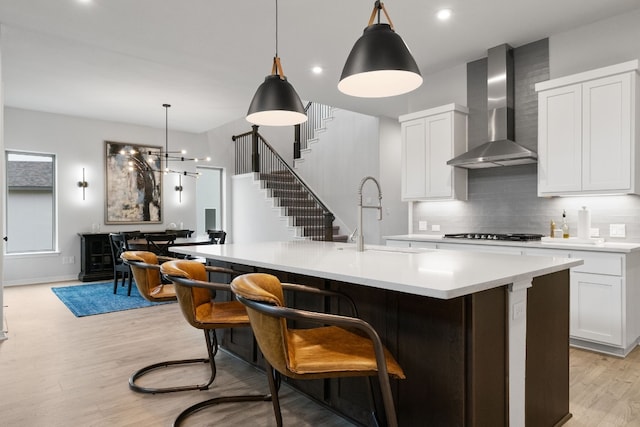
516, 237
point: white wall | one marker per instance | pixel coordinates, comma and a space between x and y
255, 217
600, 44
395, 211
346, 152
440, 88
78, 143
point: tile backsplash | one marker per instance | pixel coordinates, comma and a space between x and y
505, 200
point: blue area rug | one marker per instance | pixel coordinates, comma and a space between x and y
98, 298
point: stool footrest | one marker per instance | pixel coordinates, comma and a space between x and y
155, 390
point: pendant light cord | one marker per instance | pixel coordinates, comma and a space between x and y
276, 68
166, 136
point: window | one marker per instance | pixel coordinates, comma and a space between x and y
30, 202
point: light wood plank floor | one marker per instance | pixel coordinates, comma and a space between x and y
59, 370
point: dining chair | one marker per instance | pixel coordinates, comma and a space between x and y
181, 233
217, 237
160, 243
118, 244
341, 346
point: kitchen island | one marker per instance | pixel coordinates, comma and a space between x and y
605, 289
483, 338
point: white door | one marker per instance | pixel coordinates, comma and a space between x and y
209, 200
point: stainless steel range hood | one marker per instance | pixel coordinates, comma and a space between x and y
501, 150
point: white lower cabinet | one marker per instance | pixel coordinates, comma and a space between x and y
598, 298
596, 308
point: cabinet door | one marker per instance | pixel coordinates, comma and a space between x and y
596, 308
606, 140
414, 156
559, 140
439, 137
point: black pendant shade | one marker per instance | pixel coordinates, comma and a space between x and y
276, 103
379, 65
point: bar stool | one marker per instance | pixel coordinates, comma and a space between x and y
324, 352
194, 296
146, 270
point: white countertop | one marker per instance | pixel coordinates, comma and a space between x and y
438, 273
560, 244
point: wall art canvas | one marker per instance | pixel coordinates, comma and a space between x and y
133, 184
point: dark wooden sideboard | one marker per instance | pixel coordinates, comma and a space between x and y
95, 257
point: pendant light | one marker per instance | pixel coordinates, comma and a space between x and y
380, 64
166, 156
276, 102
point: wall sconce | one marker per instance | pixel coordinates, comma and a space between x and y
83, 184
179, 188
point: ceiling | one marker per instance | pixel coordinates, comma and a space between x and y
120, 60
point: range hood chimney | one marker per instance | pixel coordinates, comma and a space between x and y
501, 150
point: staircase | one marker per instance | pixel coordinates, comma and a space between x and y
306, 211
298, 204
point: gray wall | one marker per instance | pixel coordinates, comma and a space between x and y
505, 199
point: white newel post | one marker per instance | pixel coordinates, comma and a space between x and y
517, 351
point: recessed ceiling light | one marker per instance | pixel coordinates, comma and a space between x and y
444, 14
85, 1
317, 69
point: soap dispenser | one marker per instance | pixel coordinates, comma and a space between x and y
565, 226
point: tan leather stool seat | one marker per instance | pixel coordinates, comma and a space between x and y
332, 349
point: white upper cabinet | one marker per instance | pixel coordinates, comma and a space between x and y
586, 132
429, 139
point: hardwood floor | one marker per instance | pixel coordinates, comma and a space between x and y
59, 370
604, 390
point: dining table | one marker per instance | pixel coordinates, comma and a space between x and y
140, 244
